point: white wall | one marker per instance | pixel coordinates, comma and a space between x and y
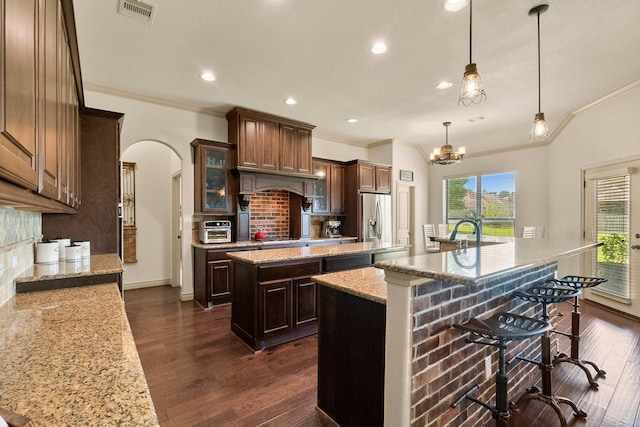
532, 183
175, 128
153, 213
328, 149
409, 157
604, 133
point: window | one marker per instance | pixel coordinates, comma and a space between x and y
491, 197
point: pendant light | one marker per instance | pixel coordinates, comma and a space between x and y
471, 89
445, 154
539, 130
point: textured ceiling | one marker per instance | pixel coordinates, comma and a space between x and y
263, 51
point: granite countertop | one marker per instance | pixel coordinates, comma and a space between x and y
322, 251
95, 265
255, 244
475, 266
68, 358
366, 282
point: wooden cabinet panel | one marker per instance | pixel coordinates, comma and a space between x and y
288, 149
275, 301
383, 179
248, 154
303, 153
336, 193
366, 177
219, 279
18, 93
269, 145
306, 304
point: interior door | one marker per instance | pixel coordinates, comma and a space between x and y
611, 206
404, 208
176, 230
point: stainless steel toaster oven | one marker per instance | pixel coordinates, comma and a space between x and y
218, 231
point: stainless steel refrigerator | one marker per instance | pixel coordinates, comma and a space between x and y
376, 217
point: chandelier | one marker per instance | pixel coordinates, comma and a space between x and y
471, 89
445, 154
539, 130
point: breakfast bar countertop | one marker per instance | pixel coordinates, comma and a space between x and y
488, 263
68, 358
307, 252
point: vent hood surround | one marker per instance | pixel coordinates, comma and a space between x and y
252, 181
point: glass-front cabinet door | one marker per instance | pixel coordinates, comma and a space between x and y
211, 177
216, 180
321, 198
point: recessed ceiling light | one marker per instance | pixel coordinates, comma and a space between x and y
207, 76
454, 5
352, 120
379, 48
290, 101
444, 85
476, 119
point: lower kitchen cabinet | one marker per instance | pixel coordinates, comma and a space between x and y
212, 277
276, 302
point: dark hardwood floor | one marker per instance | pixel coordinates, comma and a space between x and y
199, 374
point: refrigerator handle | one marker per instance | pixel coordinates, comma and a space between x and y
379, 221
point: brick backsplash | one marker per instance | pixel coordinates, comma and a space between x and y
270, 212
444, 365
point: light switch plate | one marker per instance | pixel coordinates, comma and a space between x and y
487, 367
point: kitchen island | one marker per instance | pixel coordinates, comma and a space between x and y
68, 358
427, 364
274, 299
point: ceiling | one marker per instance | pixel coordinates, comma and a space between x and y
263, 51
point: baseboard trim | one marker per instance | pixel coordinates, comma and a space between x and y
186, 297
149, 284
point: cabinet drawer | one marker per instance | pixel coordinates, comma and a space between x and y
217, 255
347, 262
288, 271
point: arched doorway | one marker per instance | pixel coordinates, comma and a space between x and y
156, 167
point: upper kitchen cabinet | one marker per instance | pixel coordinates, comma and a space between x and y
329, 194
369, 177
267, 143
40, 94
211, 176
19, 93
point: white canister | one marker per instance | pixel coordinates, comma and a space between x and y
62, 244
47, 252
86, 247
73, 253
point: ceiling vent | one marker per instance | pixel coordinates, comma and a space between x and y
140, 10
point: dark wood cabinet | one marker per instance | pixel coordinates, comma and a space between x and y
368, 177
270, 143
212, 276
219, 279
213, 186
276, 301
41, 94
97, 218
329, 189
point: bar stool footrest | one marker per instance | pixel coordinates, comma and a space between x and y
535, 393
560, 358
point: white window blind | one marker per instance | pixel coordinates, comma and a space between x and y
607, 205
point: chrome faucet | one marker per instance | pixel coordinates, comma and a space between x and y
476, 226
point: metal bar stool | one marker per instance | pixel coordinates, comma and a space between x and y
547, 293
578, 282
497, 331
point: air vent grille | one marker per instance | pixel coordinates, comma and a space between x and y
137, 9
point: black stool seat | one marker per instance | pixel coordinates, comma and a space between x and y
496, 331
504, 327
578, 282
547, 293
